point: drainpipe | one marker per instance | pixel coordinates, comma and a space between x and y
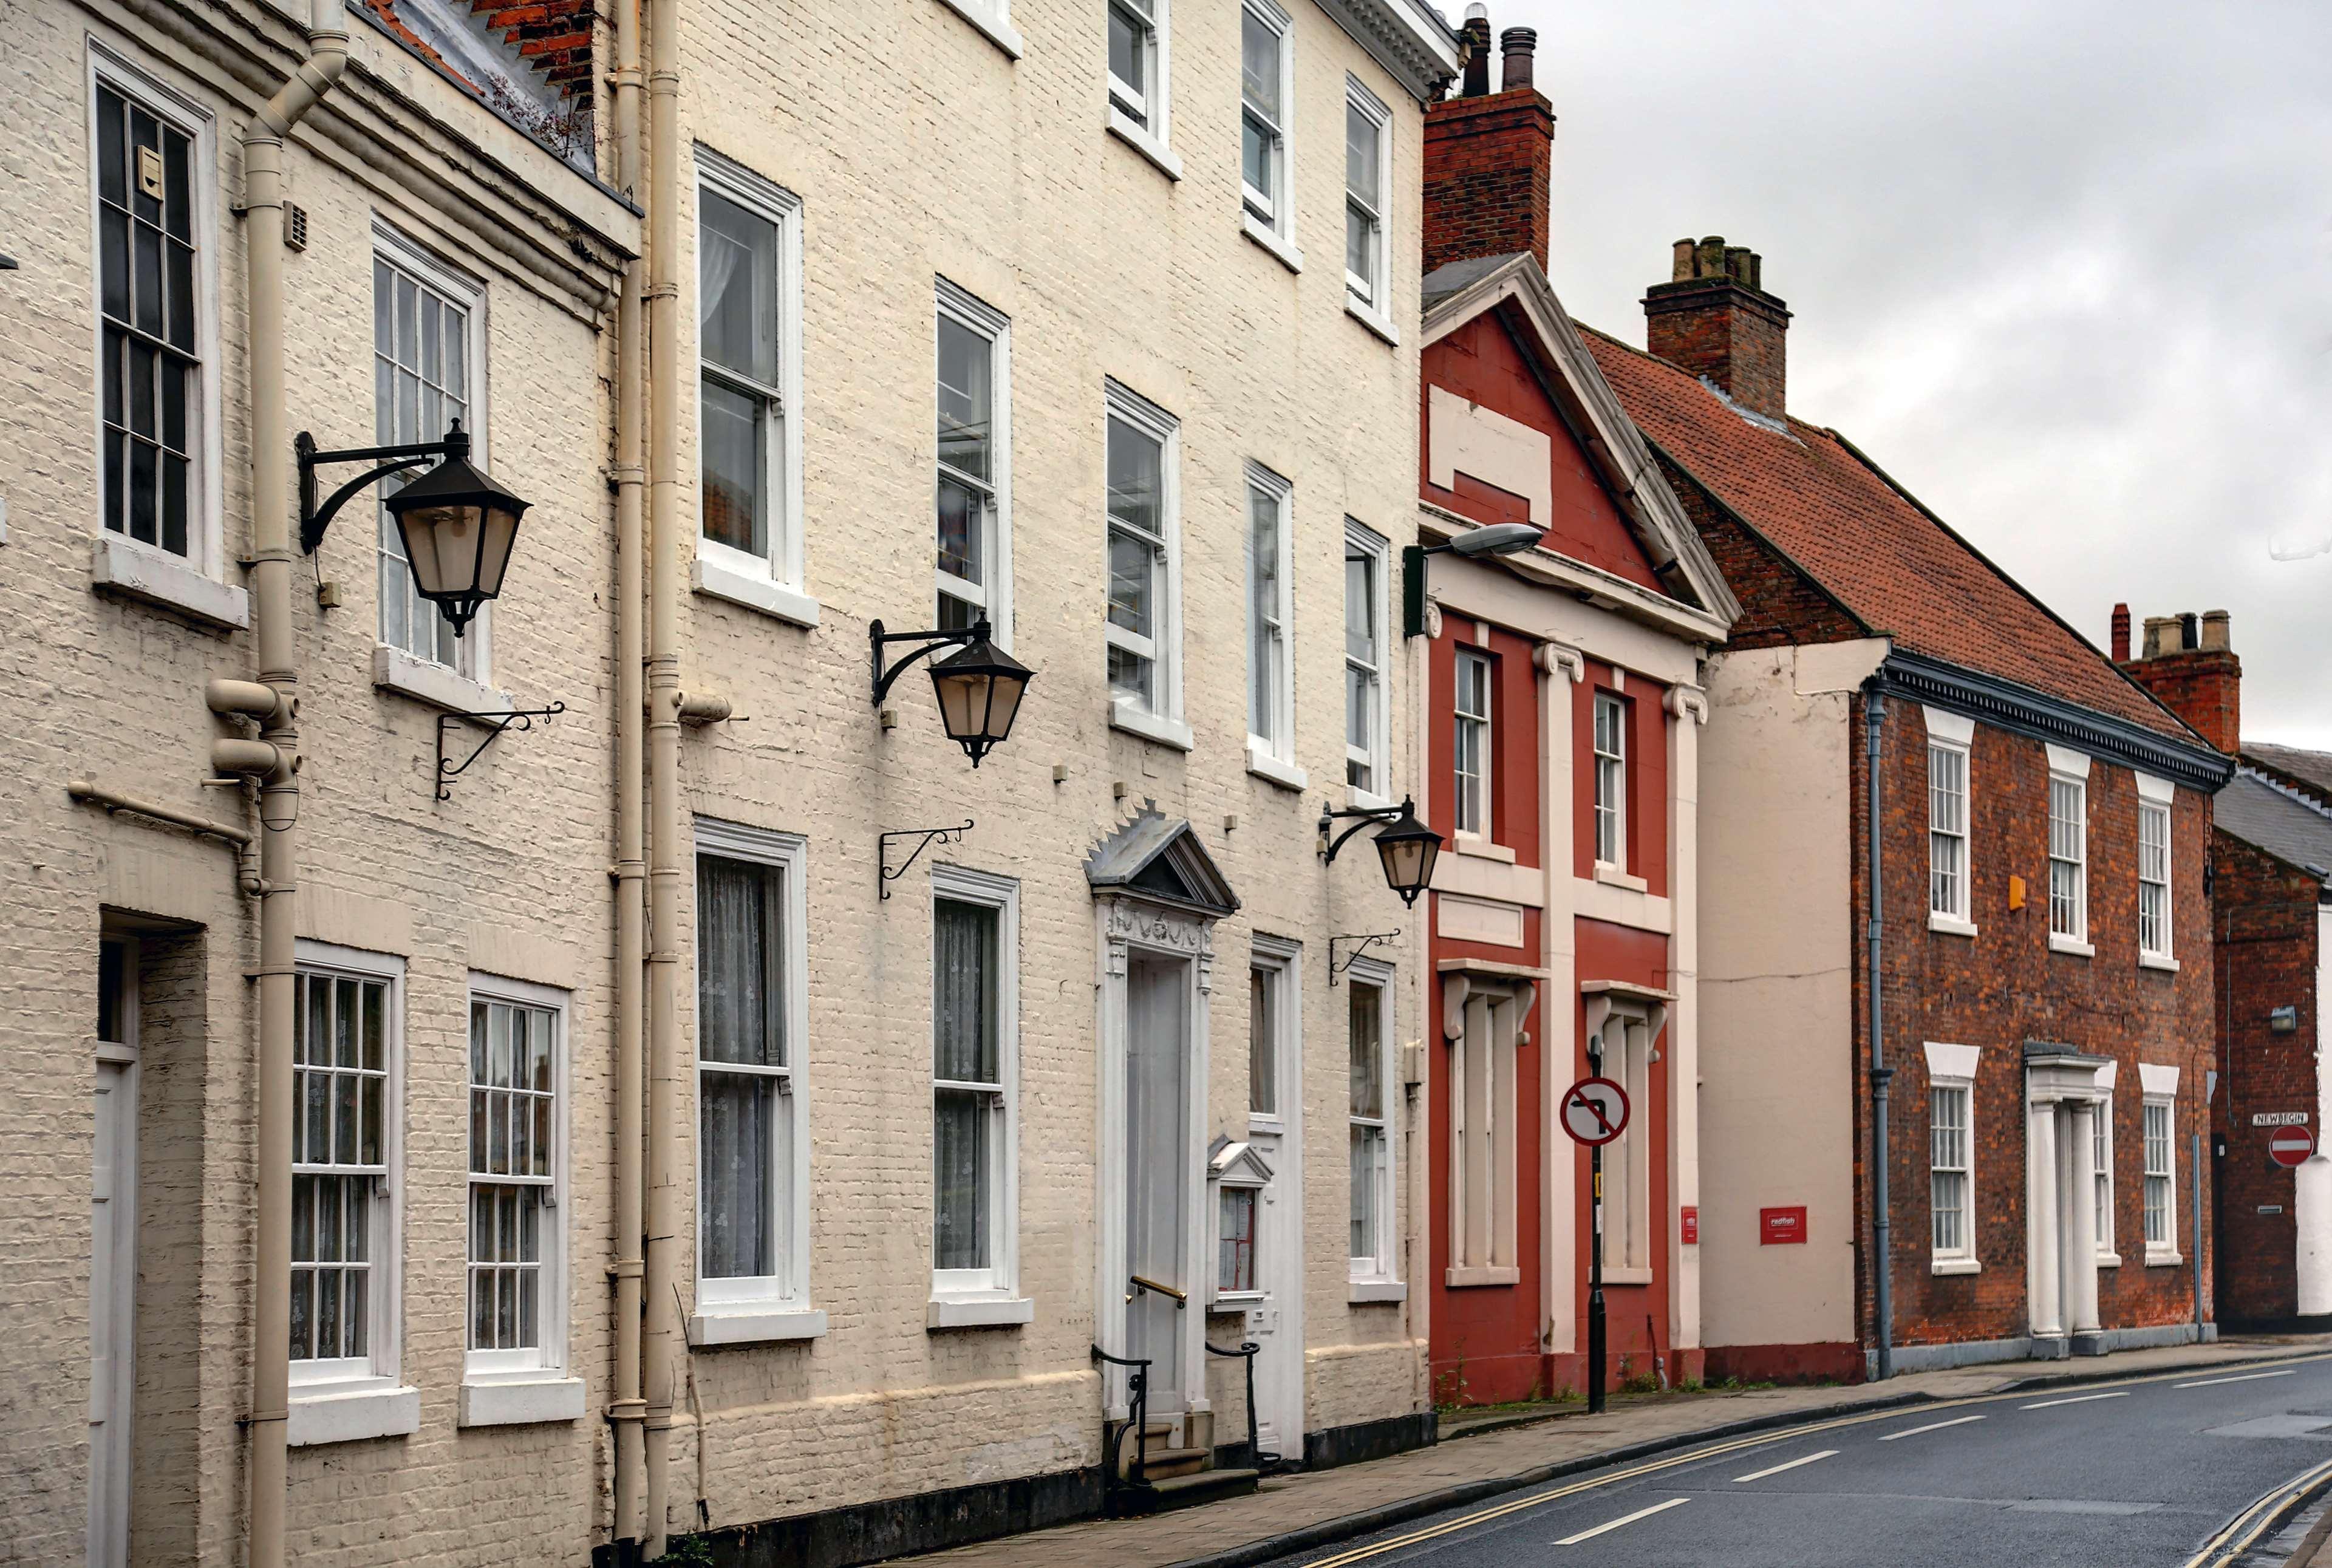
279, 799
626, 1411
1874, 708
664, 1341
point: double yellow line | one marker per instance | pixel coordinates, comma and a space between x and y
2248, 1526
2259, 1516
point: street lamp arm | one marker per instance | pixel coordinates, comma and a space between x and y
314, 519
932, 642
1360, 816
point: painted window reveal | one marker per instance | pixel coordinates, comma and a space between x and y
1368, 155
1371, 1129
2154, 878
968, 1126
744, 1075
1947, 831
749, 373
1235, 1264
2161, 1183
1140, 627
1625, 1055
2068, 872
2101, 1167
424, 338
514, 1174
1611, 779
973, 485
1365, 611
1472, 743
1266, 45
1270, 666
1950, 1189
151, 325
341, 1140
1137, 86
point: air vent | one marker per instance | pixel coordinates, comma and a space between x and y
295, 227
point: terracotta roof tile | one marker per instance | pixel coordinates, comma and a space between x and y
1892, 564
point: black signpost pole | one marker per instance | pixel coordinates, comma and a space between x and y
1595, 1294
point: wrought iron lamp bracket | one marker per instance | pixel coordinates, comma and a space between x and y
932, 642
925, 837
1360, 816
314, 518
497, 724
1359, 944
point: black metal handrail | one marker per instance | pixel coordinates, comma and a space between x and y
1137, 1388
1256, 1457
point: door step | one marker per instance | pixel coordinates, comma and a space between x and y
1165, 1464
1184, 1492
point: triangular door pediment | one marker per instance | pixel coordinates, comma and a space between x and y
1160, 858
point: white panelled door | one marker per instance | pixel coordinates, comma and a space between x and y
113, 1260
1158, 1174
1274, 1129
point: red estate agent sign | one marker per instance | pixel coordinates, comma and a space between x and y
1690, 1218
2291, 1147
1782, 1226
1594, 1110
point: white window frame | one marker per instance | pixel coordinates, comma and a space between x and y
206, 556
959, 1295
1237, 1181
2158, 1092
748, 1309
992, 18
2154, 800
1362, 542
1142, 116
1951, 1070
2069, 770
1384, 1267
1162, 719
2101, 1156
472, 652
1611, 769
1269, 218
1624, 1050
973, 314
506, 1387
1365, 299
1951, 742
377, 1372
774, 584
1271, 751
1276, 958
1483, 822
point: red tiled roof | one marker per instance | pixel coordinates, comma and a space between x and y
1901, 571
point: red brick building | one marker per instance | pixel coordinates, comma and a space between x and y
2271, 905
1562, 738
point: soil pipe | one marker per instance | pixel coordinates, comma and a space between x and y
663, 1341
1874, 709
279, 796
626, 1409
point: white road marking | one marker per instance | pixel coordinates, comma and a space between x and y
1631, 1518
2245, 1377
1777, 1469
1930, 1427
2076, 1400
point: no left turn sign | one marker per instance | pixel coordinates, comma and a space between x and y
1594, 1110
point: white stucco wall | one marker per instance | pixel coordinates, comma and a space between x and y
2312, 1197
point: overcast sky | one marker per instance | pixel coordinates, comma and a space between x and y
2063, 268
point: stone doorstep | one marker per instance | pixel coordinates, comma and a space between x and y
1309, 1510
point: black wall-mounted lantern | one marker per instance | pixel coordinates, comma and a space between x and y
1493, 539
457, 524
979, 686
1406, 846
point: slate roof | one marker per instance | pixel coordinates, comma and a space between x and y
2260, 813
2310, 772
1894, 564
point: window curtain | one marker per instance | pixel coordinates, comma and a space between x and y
965, 1048
744, 1138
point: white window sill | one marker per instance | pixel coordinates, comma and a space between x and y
2108, 1260
521, 1401
1375, 1292
1611, 875
2161, 962
2073, 945
1166, 732
2162, 1260
1614, 1274
1464, 1279
1474, 843
337, 1413
395, 670
1262, 233
754, 1326
1950, 924
978, 1311
1360, 799
1266, 766
755, 593
1955, 1265
1382, 325
127, 569
1122, 126
998, 32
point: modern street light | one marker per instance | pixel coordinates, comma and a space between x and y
457, 524
1405, 847
1474, 544
979, 687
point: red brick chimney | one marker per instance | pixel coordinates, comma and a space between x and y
1713, 318
1489, 156
2190, 666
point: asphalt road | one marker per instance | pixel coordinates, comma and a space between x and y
2131, 1475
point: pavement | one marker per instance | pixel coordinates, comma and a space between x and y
1297, 1514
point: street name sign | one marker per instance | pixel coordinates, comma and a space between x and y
2291, 1147
2278, 1118
1594, 1110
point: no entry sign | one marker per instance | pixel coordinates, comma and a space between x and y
1594, 1110
2291, 1145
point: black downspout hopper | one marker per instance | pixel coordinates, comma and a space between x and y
1874, 708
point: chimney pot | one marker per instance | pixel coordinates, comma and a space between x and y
2121, 633
2215, 626
1682, 267
2153, 648
2191, 670
1518, 45
1476, 35
2190, 632
1714, 319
